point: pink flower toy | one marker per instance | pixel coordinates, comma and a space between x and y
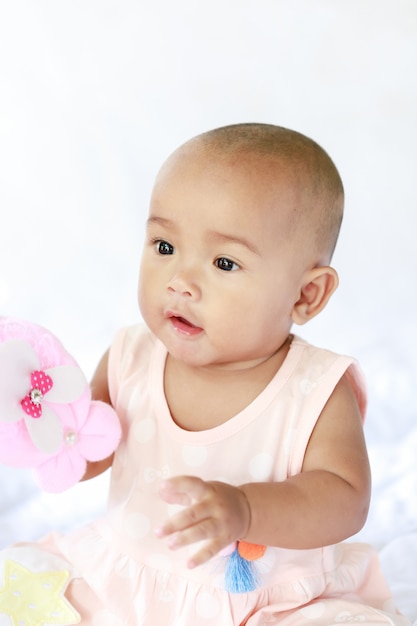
47, 419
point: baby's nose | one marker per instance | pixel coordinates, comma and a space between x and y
184, 283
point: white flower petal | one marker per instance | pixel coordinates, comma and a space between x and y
17, 361
69, 383
46, 431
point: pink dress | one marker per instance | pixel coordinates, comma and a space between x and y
120, 574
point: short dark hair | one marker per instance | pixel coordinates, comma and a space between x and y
310, 163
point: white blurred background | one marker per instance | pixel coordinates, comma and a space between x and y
94, 94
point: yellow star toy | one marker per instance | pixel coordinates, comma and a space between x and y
35, 598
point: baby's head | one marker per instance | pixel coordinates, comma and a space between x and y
242, 226
282, 161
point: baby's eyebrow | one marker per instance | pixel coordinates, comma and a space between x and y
162, 221
212, 234
228, 238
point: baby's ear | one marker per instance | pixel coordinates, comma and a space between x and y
318, 286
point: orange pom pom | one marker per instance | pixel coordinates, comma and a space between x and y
250, 551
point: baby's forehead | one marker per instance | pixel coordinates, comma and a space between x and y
245, 184
261, 178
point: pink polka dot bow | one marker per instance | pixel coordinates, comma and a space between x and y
47, 419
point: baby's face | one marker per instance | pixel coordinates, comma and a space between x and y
220, 272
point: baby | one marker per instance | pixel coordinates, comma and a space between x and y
243, 464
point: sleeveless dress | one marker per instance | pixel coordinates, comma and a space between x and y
116, 572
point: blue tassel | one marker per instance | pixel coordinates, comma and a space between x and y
240, 575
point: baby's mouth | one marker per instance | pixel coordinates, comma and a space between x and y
184, 326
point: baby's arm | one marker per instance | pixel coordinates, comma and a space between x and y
326, 503
99, 391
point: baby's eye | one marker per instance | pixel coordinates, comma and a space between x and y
163, 247
226, 264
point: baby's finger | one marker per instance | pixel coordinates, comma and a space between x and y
190, 517
182, 489
205, 528
207, 552
203, 534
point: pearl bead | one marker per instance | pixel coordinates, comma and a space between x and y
70, 438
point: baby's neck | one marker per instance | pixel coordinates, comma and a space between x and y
203, 398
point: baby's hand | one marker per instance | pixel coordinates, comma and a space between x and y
215, 511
